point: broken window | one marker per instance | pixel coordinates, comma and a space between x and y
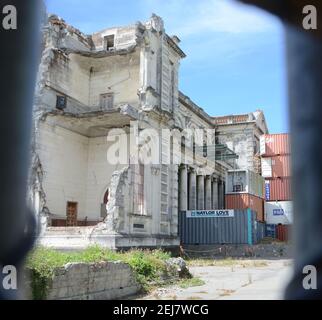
107, 101
61, 102
109, 41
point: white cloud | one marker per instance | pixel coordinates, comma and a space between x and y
187, 18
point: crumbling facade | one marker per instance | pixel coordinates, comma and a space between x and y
241, 133
95, 93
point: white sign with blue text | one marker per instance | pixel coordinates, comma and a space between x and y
278, 212
210, 214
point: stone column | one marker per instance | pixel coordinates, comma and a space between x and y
208, 195
192, 190
183, 205
215, 203
201, 193
221, 195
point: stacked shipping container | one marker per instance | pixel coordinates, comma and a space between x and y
245, 189
276, 169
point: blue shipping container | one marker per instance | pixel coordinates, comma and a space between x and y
270, 230
241, 228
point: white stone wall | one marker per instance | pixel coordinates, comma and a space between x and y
64, 158
124, 37
118, 75
75, 169
67, 75
240, 139
99, 174
159, 69
85, 79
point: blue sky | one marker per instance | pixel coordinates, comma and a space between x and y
235, 53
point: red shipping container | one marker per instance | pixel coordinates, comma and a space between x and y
283, 232
245, 201
274, 144
281, 166
278, 189
276, 166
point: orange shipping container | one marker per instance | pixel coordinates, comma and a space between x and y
276, 166
245, 201
281, 166
274, 144
278, 189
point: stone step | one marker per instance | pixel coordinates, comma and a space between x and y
54, 231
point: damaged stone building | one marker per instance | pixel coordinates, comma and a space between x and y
88, 88
241, 133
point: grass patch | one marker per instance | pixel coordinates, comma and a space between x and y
148, 266
193, 282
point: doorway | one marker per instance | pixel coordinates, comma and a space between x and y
71, 213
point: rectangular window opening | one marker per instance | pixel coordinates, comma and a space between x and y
61, 102
109, 42
107, 101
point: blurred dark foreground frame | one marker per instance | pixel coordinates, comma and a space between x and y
20, 50
304, 64
19, 54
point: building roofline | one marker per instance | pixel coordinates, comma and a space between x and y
175, 47
186, 101
247, 120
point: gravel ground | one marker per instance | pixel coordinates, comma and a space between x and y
233, 282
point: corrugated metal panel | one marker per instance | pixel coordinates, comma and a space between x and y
233, 230
259, 231
283, 232
281, 166
278, 189
244, 201
276, 166
270, 230
275, 144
